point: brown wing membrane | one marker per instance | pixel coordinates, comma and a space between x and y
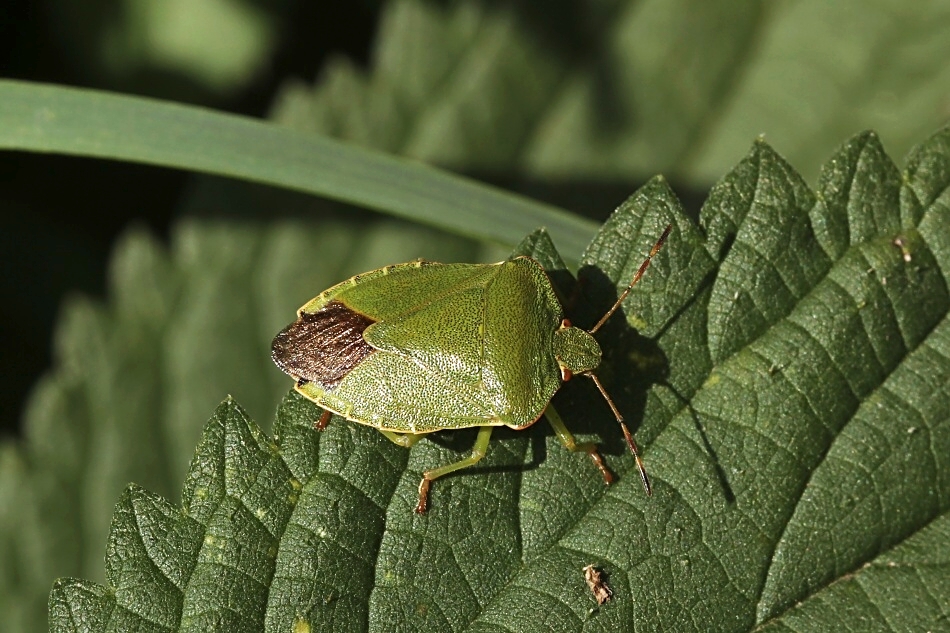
323, 346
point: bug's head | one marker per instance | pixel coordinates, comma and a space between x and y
576, 350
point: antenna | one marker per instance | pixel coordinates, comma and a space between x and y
643, 268
627, 436
623, 425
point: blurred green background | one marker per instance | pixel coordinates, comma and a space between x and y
228, 55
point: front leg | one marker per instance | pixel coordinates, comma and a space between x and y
567, 439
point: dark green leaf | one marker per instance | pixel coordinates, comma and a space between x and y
866, 599
797, 439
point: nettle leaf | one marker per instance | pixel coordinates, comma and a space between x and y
791, 381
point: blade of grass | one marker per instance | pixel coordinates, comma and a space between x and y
55, 119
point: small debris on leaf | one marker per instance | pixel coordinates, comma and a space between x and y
900, 243
597, 581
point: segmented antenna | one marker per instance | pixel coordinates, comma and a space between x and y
628, 436
643, 268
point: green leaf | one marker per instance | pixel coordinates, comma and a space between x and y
867, 597
40, 118
794, 407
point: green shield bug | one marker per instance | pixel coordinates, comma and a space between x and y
420, 347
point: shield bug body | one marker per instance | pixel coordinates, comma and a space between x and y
421, 347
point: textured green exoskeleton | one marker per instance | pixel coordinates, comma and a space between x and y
421, 347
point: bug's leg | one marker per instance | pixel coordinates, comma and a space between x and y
478, 451
323, 421
403, 439
572, 445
